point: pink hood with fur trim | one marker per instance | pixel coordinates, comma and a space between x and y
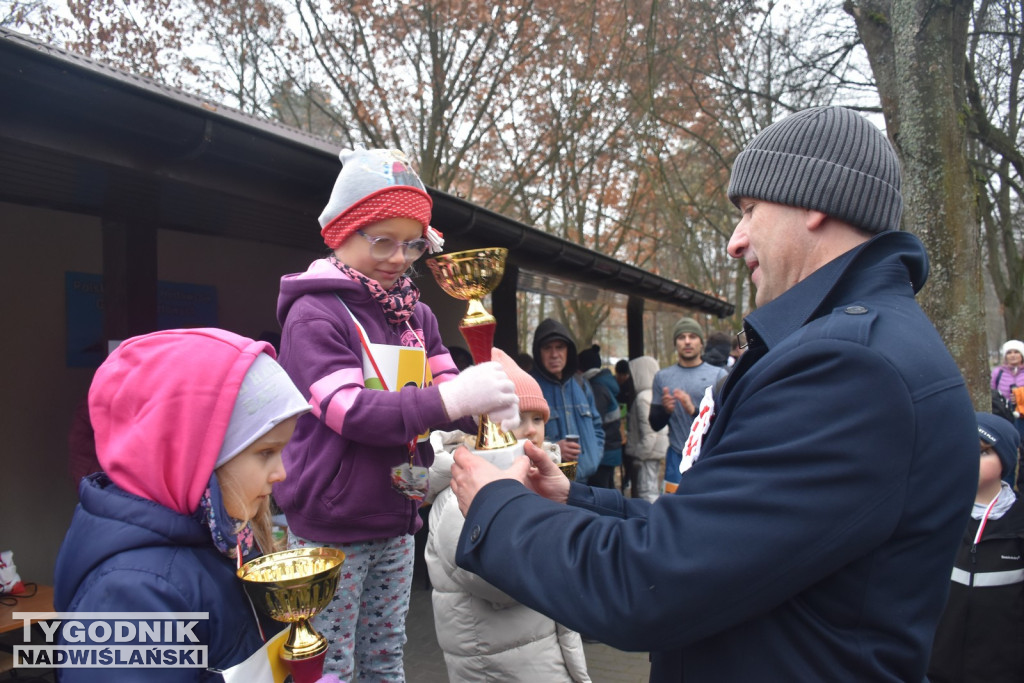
160, 406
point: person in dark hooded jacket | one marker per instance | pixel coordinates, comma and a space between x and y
717, 348
605, 390
570, 398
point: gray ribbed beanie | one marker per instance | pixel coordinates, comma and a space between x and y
828, 159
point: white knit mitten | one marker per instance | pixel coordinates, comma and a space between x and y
483, 388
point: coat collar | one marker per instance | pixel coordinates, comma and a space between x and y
886, 262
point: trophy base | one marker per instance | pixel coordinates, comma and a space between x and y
306, 669
503, 457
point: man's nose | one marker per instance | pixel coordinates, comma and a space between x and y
738, 241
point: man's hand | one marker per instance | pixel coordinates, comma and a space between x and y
536, 471
544, 476
685, 401
470, 473
668, 400
570, 450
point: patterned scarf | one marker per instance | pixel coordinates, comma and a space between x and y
397, 302
224, 529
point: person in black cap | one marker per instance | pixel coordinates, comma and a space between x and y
813, 536
979, 637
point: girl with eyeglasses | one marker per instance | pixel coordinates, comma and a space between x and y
367, 353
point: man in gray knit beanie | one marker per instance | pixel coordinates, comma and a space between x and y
822, 485
829, 159
827, 168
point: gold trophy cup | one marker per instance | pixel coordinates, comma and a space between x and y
568, 469
292, 586
470, 276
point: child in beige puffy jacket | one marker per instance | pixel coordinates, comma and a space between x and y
485, 634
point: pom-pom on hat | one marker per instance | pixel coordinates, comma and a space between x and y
1003, 436
828, 159
527, 389
372, 186
1012, 345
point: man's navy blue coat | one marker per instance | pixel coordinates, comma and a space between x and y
813, 538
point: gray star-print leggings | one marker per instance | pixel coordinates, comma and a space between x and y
365, 622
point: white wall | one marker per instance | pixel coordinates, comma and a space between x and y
39, 392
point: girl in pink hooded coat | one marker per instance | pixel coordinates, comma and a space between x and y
190, 425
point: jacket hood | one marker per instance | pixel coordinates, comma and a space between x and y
548, 330
108, 522
321, 276
716, 351
642, 370
160, 406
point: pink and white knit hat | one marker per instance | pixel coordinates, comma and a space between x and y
375, 185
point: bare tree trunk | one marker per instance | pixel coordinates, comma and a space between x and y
917, 52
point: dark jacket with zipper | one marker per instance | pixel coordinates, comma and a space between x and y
124, 553
980, 638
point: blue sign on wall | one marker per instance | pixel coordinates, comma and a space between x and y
179, 304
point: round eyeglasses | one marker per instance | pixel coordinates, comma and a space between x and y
383, 248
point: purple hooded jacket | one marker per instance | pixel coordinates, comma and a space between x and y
339, 461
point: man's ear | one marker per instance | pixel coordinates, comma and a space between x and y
814, 219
